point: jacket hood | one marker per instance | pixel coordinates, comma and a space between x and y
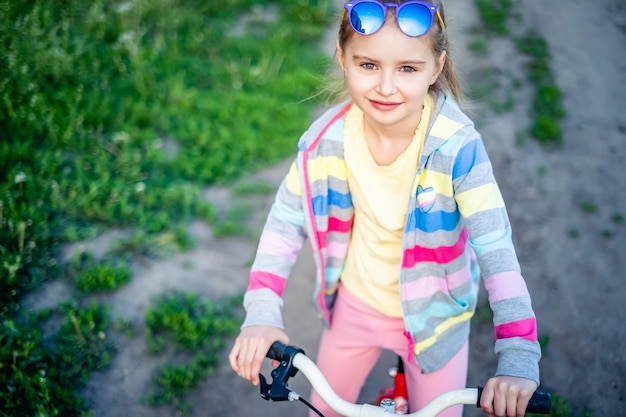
446, 121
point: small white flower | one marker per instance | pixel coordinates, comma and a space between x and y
119, 137
20, 177
127, 38
140, 187
124, 7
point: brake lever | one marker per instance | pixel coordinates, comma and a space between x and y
277, 390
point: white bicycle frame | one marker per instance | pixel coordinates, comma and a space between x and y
293, 359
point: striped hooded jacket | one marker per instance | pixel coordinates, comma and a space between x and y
457, 230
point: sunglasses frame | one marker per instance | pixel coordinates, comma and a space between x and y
349, 5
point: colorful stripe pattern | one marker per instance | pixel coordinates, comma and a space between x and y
457, 230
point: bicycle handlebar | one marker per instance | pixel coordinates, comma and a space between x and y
292, 359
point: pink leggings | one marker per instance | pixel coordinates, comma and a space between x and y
350, 348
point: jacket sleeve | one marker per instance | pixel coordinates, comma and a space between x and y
482, 207
280, 242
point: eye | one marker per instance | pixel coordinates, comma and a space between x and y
408, 69
368, 66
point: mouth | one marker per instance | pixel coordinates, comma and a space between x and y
384, 105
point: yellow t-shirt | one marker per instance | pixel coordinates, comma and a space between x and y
380, 195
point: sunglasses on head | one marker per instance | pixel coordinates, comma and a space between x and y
414, 17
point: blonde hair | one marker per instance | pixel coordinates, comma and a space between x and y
447, 82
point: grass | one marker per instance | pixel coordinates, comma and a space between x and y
547, 110
496, 88
494, 15
103, 277
589, 207
39, 380
189, 323
117, 114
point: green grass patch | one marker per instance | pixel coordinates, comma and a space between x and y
254, 188
190, 321
496, 89
40, 380
589, 207
236, 222
117, 114
561, 408
548, 109
494, 15
91, 94
186, 322
103, 277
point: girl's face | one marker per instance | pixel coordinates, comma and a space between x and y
388, 76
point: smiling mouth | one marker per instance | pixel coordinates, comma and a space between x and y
382, 105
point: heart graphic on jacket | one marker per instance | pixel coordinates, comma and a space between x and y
425, 198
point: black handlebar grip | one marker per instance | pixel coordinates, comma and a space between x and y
276, 351
540, 402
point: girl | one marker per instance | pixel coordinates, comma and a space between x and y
395, 193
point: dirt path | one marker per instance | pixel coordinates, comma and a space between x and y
576, 282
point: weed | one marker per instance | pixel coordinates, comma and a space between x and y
143, 244
82, 341
43, 380
483, 313
230, 228
479, 46
190, 320
87, 92
126, 327
172, 382
560, 408
544, 341
536, 48
235, 223
186, 322
573, 233
589, 207
103, 277
494, 14
251, 188
606, 233
547, 109
495, 88
26, 378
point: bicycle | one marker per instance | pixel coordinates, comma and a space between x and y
293, 359
398, 391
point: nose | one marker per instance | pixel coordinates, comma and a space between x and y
387, 83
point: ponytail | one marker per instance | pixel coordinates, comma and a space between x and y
447, 82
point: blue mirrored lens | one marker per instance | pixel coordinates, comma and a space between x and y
414, 19
367, 18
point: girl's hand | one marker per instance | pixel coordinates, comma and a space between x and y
247, 355
507, 396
